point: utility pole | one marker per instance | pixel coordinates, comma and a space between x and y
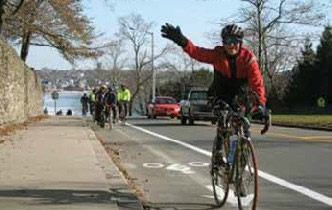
152, 67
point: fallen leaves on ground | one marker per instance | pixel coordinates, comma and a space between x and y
115, 155
10, 129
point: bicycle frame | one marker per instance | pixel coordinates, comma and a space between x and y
233, 123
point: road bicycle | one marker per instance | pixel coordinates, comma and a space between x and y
234, 162
122, 113
84, 109
100, 115
109, 115
102, 118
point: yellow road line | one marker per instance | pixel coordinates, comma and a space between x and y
317, 137
303, 138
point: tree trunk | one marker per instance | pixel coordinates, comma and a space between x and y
260, 31
25, 45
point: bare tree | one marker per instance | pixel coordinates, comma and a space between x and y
115, 55
53, 23
9, 8
182, 65
136, 31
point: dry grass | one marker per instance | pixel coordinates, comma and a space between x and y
114, 153
10, 129
37, 118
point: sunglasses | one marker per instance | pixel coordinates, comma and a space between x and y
231, 40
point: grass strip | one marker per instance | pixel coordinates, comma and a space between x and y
316, 121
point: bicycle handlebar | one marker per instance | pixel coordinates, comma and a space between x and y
267, 122
219, 104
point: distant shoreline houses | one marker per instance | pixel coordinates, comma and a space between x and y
73, 80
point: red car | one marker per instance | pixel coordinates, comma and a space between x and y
163, 106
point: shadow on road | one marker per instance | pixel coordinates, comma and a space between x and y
157, 124
165, 124
122, 197
179, 206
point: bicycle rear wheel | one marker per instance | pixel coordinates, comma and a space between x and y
122, 117
247, 176
110, 119
102, 121
219, 175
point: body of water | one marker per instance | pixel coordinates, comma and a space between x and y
67, 100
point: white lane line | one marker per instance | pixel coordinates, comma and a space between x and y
231, 199
303, 190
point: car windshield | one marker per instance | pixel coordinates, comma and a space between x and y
198, 95
165, 101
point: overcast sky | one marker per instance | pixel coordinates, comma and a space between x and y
195, 17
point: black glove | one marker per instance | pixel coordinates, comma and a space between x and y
260, 112
170, 32
210, 101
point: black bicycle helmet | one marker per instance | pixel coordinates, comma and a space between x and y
232, 30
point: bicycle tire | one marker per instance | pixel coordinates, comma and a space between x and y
122, 116
220, 177
102, 119
110, 119
246, 183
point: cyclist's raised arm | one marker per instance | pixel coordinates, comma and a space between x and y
174, 34
201, 54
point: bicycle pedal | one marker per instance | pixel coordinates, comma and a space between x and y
241, 194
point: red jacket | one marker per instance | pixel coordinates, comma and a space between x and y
247, 68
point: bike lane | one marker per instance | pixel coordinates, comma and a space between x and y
170, 157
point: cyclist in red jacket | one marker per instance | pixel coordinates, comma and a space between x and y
235, 66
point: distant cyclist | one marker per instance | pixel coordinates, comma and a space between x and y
123, 96
100, 102
110, 101
92, 101
84, 102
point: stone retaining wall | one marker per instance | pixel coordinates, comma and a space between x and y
20, 88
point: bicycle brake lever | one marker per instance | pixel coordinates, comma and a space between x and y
267, 124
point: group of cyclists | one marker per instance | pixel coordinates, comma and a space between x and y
106, 100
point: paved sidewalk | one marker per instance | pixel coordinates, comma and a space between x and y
59, 164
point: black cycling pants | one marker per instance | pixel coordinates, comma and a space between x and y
123, 104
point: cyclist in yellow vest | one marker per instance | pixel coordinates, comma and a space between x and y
92, 101
123, 97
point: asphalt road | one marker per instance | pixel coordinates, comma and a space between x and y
169, 164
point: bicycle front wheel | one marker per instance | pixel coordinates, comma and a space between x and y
102, 119
247, 176
219, 174
122, 117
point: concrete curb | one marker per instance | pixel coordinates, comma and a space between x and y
113, 173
